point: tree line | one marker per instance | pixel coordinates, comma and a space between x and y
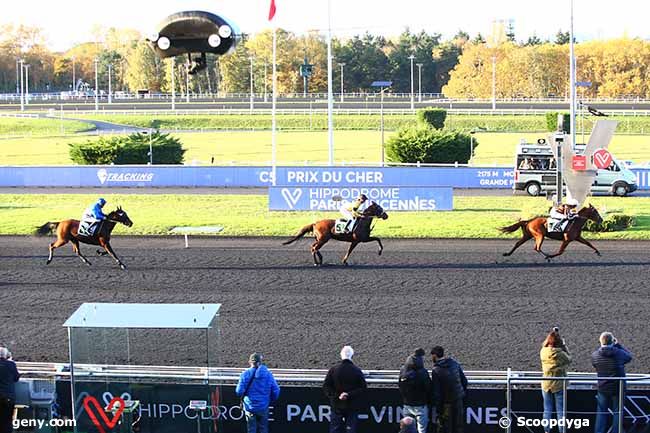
461, 67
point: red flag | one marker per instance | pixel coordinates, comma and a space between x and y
272, 10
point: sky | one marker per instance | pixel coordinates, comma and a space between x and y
72, 21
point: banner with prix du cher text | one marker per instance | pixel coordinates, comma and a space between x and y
319, 198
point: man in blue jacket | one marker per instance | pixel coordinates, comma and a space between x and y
609, 361
258, 389
92, 218
8, 378
453, 390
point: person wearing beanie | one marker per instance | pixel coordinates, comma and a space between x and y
258, 389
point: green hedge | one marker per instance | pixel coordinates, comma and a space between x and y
551, 121
612, 223
433, 117
428, 145
130, 149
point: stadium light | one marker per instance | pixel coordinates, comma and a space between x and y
419, 82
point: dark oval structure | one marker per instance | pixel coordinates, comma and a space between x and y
196, 32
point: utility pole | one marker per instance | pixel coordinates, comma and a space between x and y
110, 88
251, 58
27, 84
265, 79
96, 85
187, 82
341, 65
74, 79
411, 58
419, 82
172, 66
22, 96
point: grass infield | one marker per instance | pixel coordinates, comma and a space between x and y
473, 217
296, 147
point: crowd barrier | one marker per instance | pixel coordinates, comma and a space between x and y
261, 176
164, 394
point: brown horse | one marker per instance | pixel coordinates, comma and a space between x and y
536, 228
324, 231
66, 231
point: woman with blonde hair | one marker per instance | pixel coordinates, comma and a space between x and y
555, 362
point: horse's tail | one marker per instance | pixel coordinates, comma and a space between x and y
46, 229
303, 231
514, 227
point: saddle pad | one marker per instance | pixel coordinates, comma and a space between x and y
339, 226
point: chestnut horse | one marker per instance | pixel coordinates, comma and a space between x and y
536, 228
324, 231
66, 231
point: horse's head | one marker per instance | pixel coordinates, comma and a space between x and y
120, 216
374, 210
591, 213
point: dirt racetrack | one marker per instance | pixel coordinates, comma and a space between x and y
490, 312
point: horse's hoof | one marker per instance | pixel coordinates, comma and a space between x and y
88, 263
379, 253
345, 263
48, 262
505, 254
122, 266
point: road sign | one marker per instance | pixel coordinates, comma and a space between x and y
579, 162
602, 158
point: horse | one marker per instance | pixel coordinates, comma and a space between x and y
324, 231
66, 231
536, 228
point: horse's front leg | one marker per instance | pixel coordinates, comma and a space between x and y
376, 239
109, 250
353, 245
586, 242
56, 244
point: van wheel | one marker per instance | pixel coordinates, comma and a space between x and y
620, 189
533, 189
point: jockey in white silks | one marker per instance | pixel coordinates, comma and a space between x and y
355, 210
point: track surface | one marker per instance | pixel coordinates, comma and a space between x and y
419, 293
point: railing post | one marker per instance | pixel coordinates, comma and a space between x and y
564, 401
621, 404
508, 400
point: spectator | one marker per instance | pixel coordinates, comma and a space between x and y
555, 360
609, 361
8, 377
415, 387
258, 389
453, 389
344, 386
407, 425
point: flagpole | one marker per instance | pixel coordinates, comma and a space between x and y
273, 124
330, 96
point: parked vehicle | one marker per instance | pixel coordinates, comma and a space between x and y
535, 172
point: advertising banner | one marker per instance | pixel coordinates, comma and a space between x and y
319, 198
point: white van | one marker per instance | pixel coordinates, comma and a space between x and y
535, 172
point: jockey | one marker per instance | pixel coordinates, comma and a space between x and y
355, 210
564, 212
94, 214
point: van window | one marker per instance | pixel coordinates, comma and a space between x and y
536, 163
613, 167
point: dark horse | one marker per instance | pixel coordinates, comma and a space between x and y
324, 231
536, 228
66, 231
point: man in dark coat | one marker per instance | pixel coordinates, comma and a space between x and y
8, 377
609, 361
345, 385
417, 391
453, 389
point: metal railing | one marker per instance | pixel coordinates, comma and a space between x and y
508, 380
